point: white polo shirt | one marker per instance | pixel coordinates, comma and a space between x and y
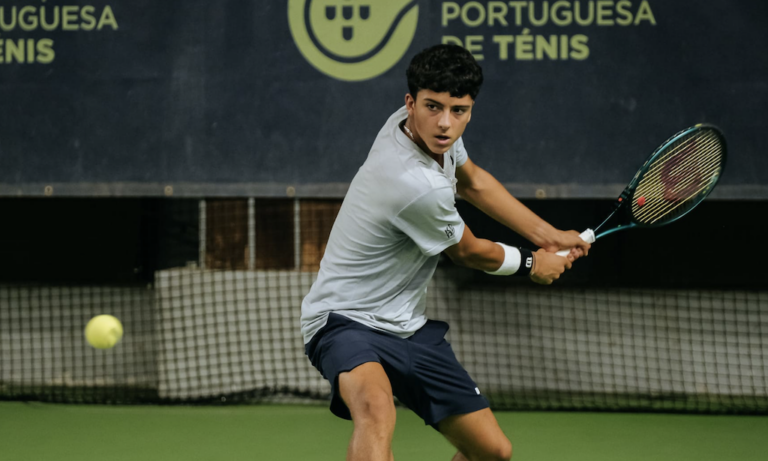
397, 217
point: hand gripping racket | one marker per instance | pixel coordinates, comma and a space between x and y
676, 178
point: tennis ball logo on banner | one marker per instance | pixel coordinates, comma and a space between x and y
353, 39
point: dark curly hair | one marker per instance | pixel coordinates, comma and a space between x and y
445, 68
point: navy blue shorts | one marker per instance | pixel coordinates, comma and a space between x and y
423, 370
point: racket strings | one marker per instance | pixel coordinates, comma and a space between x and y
680, 174
670, 207
707, 162
666, 197
711, 140
690, 143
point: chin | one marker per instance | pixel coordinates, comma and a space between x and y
441, 149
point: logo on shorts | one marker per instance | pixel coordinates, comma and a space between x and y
449, 231
529, 262
477, 389
353, 39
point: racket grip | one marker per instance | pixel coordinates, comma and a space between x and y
588, 236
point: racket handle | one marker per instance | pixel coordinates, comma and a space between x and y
588, 236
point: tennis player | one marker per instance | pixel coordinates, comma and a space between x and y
364, 321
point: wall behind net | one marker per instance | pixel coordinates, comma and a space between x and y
209, 292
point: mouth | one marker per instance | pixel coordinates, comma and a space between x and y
443, 140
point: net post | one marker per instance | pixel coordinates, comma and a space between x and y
251, 233
201, 233
296, 234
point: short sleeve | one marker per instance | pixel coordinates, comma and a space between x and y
461, 153
432, 221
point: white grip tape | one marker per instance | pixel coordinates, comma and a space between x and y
588, 236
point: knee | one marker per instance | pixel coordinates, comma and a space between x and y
500, 451
505, 451
373, 408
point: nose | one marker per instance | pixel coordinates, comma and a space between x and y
445, 120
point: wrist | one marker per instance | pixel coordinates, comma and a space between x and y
517, 261
542, 235
527, 261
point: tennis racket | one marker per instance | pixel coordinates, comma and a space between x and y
676, 177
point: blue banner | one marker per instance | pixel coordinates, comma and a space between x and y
242, 97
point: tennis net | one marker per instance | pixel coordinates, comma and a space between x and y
211, 315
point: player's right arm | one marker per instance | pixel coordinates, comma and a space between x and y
488, 256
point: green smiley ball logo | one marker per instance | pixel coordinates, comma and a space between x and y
353, 39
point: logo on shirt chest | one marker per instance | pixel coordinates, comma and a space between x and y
449, 231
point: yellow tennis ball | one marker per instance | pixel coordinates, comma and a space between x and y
103, 331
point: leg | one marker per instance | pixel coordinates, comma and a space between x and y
477, 436
367, 392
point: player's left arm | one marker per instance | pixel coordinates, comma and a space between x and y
482, 190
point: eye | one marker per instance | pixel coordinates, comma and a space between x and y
459, 111
431, 106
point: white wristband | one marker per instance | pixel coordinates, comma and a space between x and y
511, 261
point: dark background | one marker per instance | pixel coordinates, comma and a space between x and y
125, 240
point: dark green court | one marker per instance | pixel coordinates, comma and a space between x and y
43, 432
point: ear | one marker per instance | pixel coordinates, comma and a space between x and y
410, 104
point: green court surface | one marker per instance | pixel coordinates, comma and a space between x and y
41, 432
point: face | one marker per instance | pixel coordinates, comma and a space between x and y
437, 120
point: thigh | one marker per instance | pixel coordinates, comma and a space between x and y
340, 354
476, 435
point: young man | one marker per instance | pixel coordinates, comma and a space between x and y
363, 321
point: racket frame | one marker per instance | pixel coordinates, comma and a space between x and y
628, 193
